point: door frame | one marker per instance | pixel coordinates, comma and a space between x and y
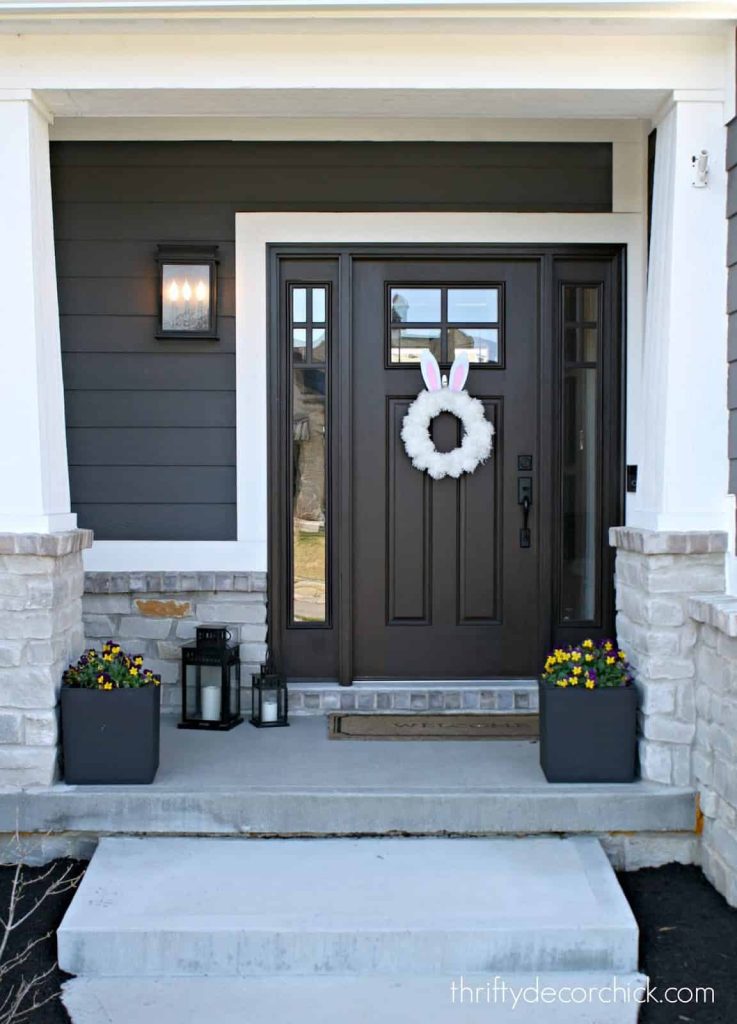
549, 402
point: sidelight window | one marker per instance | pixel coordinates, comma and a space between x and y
445, 319
309, 329
580, 542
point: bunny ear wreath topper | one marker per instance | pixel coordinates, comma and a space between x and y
443, 397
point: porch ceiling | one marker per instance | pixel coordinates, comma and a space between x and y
394, 103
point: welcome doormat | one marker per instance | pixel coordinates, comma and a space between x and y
365, 726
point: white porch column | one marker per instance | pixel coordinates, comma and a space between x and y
41, 573
681, 443
34, 475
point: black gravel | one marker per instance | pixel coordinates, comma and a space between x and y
688, 937
46, 919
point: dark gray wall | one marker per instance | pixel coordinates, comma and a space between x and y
732, 300
151, 424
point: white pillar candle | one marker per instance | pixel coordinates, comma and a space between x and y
211, 703
268, 709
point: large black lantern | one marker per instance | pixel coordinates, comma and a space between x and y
188, 298
211, 681
269, 699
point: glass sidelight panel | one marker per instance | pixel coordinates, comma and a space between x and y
579, 570
309, 326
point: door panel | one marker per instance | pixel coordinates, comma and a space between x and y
376, 570
442, 588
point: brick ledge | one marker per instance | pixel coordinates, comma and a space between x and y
46, 545
173, 582
719, 612
667, 542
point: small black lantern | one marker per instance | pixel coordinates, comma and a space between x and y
211, 681
269, 698
187, 291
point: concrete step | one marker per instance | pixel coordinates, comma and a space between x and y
166, 907
387, 999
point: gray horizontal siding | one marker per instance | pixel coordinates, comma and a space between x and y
169, 409
166, 485
732, 300
100, 333
151, 424
161, 522
150, 446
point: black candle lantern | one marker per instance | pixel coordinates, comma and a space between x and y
270, 704
187, 291
211, 681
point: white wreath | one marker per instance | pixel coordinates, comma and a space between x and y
475, 447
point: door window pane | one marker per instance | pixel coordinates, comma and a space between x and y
299, 344
445, 320
308, 498
415, 305
473, 305
299, 305
318, 305
308, 495
482, 344
408, 343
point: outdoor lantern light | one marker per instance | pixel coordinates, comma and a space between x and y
187, 291
270, 704
211, 681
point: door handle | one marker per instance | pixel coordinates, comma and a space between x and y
524, 499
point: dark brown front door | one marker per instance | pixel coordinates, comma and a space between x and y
378, 571
442, 585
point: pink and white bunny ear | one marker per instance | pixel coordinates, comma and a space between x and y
430, 370
459, 371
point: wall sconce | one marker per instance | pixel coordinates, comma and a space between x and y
187, 291
700, 170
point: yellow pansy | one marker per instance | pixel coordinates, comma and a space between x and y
608, 646
622, 655
134, 670
574, 681
575, 655
577, 670
610, 661
590, 684
589, 657
588, 644
562, 682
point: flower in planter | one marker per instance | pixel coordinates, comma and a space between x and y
109, 669
590, 666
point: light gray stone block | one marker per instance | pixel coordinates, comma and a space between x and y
232, 612
11, 727
139, 627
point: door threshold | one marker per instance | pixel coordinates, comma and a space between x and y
424, 684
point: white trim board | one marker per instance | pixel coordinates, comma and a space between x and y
254, 231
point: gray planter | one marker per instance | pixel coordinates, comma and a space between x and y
588, 735
110, 736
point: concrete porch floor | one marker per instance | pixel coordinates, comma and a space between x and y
296, 781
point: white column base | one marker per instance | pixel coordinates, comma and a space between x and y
58, 523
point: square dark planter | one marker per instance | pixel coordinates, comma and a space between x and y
588, 735
110, 736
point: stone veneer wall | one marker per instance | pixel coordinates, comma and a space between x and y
680, 631
715, 747
656, 573
41, 584
154, 613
